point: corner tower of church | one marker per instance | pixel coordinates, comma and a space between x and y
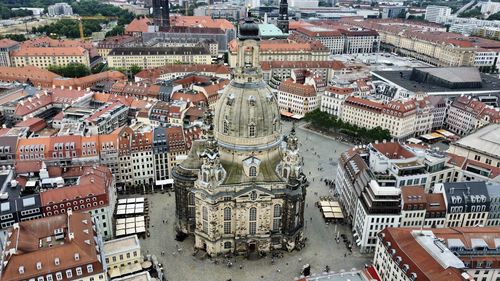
242, 189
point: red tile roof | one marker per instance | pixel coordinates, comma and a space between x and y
92, 180
37, 76
340, 91
155, 73
200, 21
138, 25
137, 90
34, 124
194, 97
25, 244
420, 262
7, 43
289, 86
393, 150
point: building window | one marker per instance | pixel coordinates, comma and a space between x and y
277, 217
204, 212
251, 130
227, 220
477, 157
252, 228
90, 269
252, 171
226, 127
78, 271
227, 245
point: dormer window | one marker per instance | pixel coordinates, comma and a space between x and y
39, 265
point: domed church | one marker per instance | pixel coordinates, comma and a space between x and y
242, 190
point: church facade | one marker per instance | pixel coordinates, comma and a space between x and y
242, 190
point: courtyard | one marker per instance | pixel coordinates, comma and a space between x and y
320, 157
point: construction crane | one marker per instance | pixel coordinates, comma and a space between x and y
80, 22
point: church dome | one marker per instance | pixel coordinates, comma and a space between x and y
247, 117
249, 30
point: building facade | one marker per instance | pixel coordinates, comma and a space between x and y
437, 14
146, 57
43, 57
123, 256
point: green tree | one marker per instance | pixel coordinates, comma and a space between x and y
70, 28
495, 16
134, 69
117, 30
73, 70
324, 121
95, 8
473, 13
15, 37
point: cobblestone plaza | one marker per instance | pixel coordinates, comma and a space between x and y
320, 159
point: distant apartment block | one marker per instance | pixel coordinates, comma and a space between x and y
437, 14
60, 9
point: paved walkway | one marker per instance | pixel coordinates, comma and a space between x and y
321, 248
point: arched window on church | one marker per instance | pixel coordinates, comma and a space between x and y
252, 218
204, 214
191, 207
277, 217
205, 176
252, 171
248, 57
227, 220
251, 130
226, 127
285, 173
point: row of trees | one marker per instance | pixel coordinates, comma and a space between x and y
69, 28
325, 121
15, 37
72, 70
96, 8
7, 13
